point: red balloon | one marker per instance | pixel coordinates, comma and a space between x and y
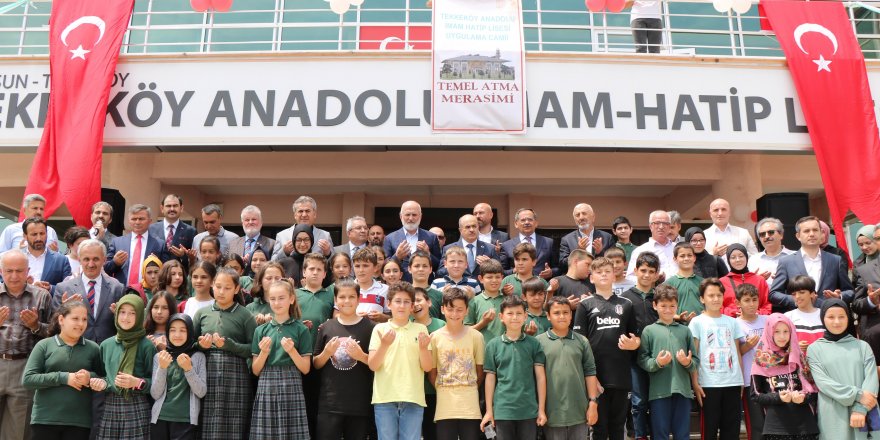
615, 5
595, 5
221, 5
754, 216
200, 5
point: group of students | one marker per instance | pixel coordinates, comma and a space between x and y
512, 356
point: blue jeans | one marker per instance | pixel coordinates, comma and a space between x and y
671, 415
398, 420
639, 400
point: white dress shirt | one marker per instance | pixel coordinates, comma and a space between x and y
814, 266
487, 237
761, 262
165, 225
412, 240
85, 281
36, 264
663, 252
522, 239
133, 245
729, 235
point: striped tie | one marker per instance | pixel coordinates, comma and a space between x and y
90, 295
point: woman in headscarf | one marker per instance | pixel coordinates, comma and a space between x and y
780, 385
706, 265
738, 260
844, 371
865, 240
302, 245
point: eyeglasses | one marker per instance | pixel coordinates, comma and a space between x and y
400, 302
698, 240
303, 240
769, 233
441, 237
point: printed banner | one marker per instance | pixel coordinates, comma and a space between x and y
478, 65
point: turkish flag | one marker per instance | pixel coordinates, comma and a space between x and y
828, 68
394, 38
84, 41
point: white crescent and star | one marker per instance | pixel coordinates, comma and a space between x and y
806, 28
79, 52
384, 44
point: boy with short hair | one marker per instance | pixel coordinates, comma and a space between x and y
516, 387
524, 258
420, 270
666, 354
572, 387
618, 259
456, 266
806, 320
400, 356
609, 323
686, 283
373, 297
718, 339
458, 353
575, 284
535, 295
484, 310
752, 324
647, 272
622, 229
422, 315
315, 301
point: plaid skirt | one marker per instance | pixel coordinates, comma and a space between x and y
125, 418
226, 408
280, 407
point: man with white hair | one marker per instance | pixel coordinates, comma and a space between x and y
13, 236
356, 228
585, 237
252, 223
24, 320
722, 233
659, 244
401, 243
305, 211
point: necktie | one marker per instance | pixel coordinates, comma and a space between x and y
134, 267
472, 259
170, 236
529, 239
90, 295
248, 247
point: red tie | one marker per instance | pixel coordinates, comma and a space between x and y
134, 268
170, 236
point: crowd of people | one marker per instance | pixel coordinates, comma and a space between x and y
165, 333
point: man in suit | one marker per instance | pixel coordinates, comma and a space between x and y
585, 237
130, 250
488, 234
356, 228
401, 243
305, 210
102, 215
46, 268
177, 235
478, 251
526, 221
828, 270
252, 223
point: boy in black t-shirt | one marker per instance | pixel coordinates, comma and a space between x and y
609, 323
575, 283
346, 380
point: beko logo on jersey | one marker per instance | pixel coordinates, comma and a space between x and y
608, 321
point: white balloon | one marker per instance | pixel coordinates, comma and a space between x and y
722, 5
357, 2
340, 6
742, 6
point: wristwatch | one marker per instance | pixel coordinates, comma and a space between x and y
594, 399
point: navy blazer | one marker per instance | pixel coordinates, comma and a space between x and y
482, 249
183, 236
102, 324
546, 254
834, 276
56, 268
570, 242
393, 240
123, 243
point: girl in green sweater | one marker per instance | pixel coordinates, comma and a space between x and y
62, 369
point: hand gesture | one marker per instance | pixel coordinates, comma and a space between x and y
120, 257
184, 362
374, 315
308, 323
402, 252
97, 384
874, 295
803, 345
507, 289
684, 360
630, 342
288, 345
125, 381
53, 246
386, 339
531, 328
573, 301
797, 397
265, 345
554, 284
219, 341
664, 358
686, 317
422, 246
488, 316
582, 243
4, 314
43, 285
720, 249
598, 246
542, 418
857, 420
424, 341
785, 396
498, 247
331, 346
752, 340
830, 294
65, 297
488, 419
288, 247
482, 259
165, 359
30, 319
592, 414
325, 247
113, 308
262, 318
73, 382
83, 377
177, 251
354, 350
205, 341
868, 399
547, 272
765, 274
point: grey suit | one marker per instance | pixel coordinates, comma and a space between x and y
101, 322
868, 273
570, 242
287, 235
236, 245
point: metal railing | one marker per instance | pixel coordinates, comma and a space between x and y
691, 27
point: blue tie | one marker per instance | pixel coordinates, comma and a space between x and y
472, 259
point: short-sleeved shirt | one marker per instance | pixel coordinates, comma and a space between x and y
293, 329
808, 326
315, 306
346, 384
374, 299
517, 284
456, 360
688, 293
750, 329
440, 283
569, 361
541, 321
719, 363
401, 377
480, 305
569, 286
602, 321
513, 364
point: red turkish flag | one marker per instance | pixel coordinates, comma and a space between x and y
829, 73
84, 41
394, 37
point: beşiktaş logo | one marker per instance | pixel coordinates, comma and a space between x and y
618, 309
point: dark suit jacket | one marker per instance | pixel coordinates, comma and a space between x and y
183, 235
56, 268
123, 243
868, 273
546, 254
570, 242
499, 236
834, 276
393, 240
236, 246
101, 325
482, 249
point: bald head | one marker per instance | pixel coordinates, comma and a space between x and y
441, 236
719, 210
483, 214
469, 228
659, 224
410, 215
14, 267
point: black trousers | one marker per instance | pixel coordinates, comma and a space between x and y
612, 415
429, 429
516, 429
647, 34
58, 432
162, 430
337, 426
721, 413
455, 429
